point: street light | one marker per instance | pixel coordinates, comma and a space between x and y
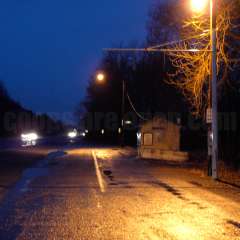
100, 77
198, 6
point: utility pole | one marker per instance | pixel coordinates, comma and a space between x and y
123, 112
214, 88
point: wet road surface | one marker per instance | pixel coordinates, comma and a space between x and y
110, 194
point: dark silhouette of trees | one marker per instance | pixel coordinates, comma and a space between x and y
164, 21
145, 76
14, 119
3, 91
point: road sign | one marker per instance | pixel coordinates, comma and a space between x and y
209, 115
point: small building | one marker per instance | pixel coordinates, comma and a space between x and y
160, 139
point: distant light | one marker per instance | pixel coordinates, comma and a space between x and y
72, 134
211, 136
119, 130
199, 5
29, 137
139, 135
103, 131
86, 131
128, 122
83, 134
100, 77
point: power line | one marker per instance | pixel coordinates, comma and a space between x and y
159, 48
177, 41
134, 109
153, 50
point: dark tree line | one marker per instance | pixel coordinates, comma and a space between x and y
14, 119
145, 76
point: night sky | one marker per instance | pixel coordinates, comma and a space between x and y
49, 48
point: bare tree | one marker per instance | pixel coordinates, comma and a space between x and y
164, 21
192, 56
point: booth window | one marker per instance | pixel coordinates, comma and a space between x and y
147, 139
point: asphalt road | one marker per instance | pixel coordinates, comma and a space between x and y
107, 193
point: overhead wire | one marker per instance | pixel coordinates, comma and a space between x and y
134, 109
159, 48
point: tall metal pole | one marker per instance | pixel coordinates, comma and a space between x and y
123, 112
214, 89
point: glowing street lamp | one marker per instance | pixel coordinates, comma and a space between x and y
100, 77
199, 5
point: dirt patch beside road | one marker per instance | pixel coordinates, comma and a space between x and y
199, 165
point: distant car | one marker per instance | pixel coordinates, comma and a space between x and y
73, 134
29, 139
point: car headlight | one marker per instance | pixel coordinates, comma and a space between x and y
72, 134
29, 137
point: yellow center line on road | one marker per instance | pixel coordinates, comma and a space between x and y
98, 173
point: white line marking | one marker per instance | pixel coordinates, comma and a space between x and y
98, 173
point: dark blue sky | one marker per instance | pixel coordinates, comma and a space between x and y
49, 48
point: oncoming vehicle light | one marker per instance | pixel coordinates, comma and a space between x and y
29, 137
72, 134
